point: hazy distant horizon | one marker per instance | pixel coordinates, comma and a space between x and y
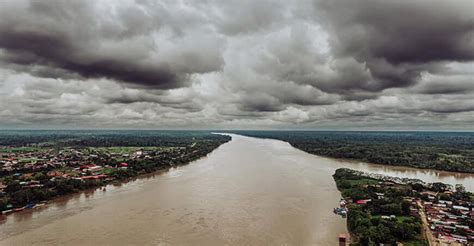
235, 130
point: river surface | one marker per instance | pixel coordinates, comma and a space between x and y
247, 192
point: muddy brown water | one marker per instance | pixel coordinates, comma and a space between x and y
247, 192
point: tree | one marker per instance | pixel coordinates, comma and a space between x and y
13, 187
391, 208
439, 187
460, 188
406, 207
417, 186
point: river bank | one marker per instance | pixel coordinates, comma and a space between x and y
248, 191
31, 176
383, 209
444, 151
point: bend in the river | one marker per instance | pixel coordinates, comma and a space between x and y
248, 191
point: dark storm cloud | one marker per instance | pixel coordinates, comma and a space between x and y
448, 86
455, 79
397, 40
30, 49
261, 104
236, 64
73, 37
450, 107
184, 100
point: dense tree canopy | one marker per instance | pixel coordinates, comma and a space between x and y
450, 151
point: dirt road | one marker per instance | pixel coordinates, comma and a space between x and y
426, 232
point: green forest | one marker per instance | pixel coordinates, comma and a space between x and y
449, 151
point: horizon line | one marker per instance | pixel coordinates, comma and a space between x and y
231, 130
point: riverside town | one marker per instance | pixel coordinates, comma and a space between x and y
33, 173
383, 209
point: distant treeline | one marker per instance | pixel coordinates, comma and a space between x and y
106, 138
450, 151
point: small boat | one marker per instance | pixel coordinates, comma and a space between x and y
7, 211
341, 211
39, 205
18, 209
30, 205
344, 214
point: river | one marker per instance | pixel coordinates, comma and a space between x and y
246, 192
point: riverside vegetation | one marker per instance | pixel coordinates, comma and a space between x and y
448, 151
386, 210
39, 165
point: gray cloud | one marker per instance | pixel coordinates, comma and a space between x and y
245, 16
397, 40
237, 64
81, 38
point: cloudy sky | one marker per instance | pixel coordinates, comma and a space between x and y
237, 64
